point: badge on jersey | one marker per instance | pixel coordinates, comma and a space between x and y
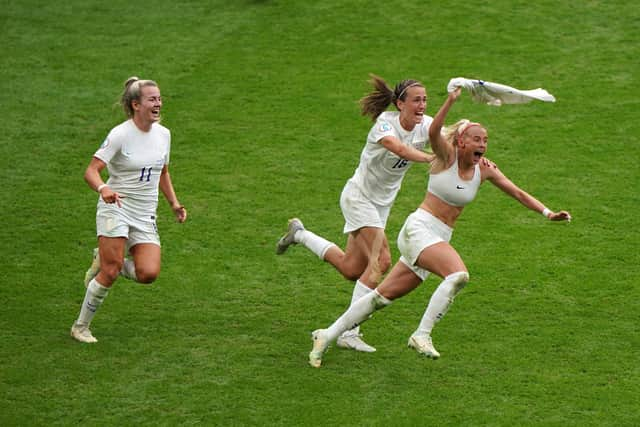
385, 127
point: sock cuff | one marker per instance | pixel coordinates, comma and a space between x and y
380, 300
97, 289
325, 249
361, 286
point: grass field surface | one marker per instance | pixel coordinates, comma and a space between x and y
261, 98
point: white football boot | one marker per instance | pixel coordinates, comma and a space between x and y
423, 345
320, 345
354, 342
82, 333
287, 240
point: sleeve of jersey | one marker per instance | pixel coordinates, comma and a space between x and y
379, 130
109, 148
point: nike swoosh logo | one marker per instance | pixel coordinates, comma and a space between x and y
459, 187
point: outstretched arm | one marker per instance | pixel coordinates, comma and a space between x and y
497, 178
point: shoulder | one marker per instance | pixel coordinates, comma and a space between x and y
121, 128
159, 128
385, 125
488, 169
161, 131
390, 117
120, 132
426, 123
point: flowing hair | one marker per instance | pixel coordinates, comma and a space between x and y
377, 101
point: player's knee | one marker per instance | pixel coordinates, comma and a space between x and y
352, 273
459, 280
111, 270
146, 276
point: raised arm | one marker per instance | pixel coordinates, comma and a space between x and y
497, 178
438, 144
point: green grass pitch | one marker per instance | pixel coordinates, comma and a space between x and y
261, 98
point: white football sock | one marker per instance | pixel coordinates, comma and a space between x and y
316, 244
128, 270
441, 300
96, 293
359, 290
357, 313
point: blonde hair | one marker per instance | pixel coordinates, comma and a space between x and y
452, 135
454, 132
377, 101
132, 89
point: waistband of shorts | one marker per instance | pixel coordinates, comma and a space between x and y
423, 214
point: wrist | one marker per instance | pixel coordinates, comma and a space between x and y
546, 212
101, 187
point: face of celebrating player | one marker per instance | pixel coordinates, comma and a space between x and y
413, 107
473, 144
146, 111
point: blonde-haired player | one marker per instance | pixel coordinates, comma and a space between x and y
454, 179
136, 154
396, 140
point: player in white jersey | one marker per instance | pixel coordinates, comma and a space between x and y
396, 140
136, 155
455, 176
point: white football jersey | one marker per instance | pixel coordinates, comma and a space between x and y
380, 172
134, 160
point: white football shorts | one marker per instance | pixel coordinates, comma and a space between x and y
420, 230
112, 221
359, 211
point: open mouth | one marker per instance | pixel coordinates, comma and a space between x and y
478, 154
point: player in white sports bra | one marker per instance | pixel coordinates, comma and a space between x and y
395, 141
455, 177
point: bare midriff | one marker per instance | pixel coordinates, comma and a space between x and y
441, 210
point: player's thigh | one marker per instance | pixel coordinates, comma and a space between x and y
355, 258
147, 258
372, 241
111, 251
440, 258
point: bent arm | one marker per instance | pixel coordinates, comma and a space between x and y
406, 152
166, 186
438, 144
92, 174
94, 179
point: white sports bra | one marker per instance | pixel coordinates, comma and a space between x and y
450, 188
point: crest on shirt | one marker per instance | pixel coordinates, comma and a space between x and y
385, 127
